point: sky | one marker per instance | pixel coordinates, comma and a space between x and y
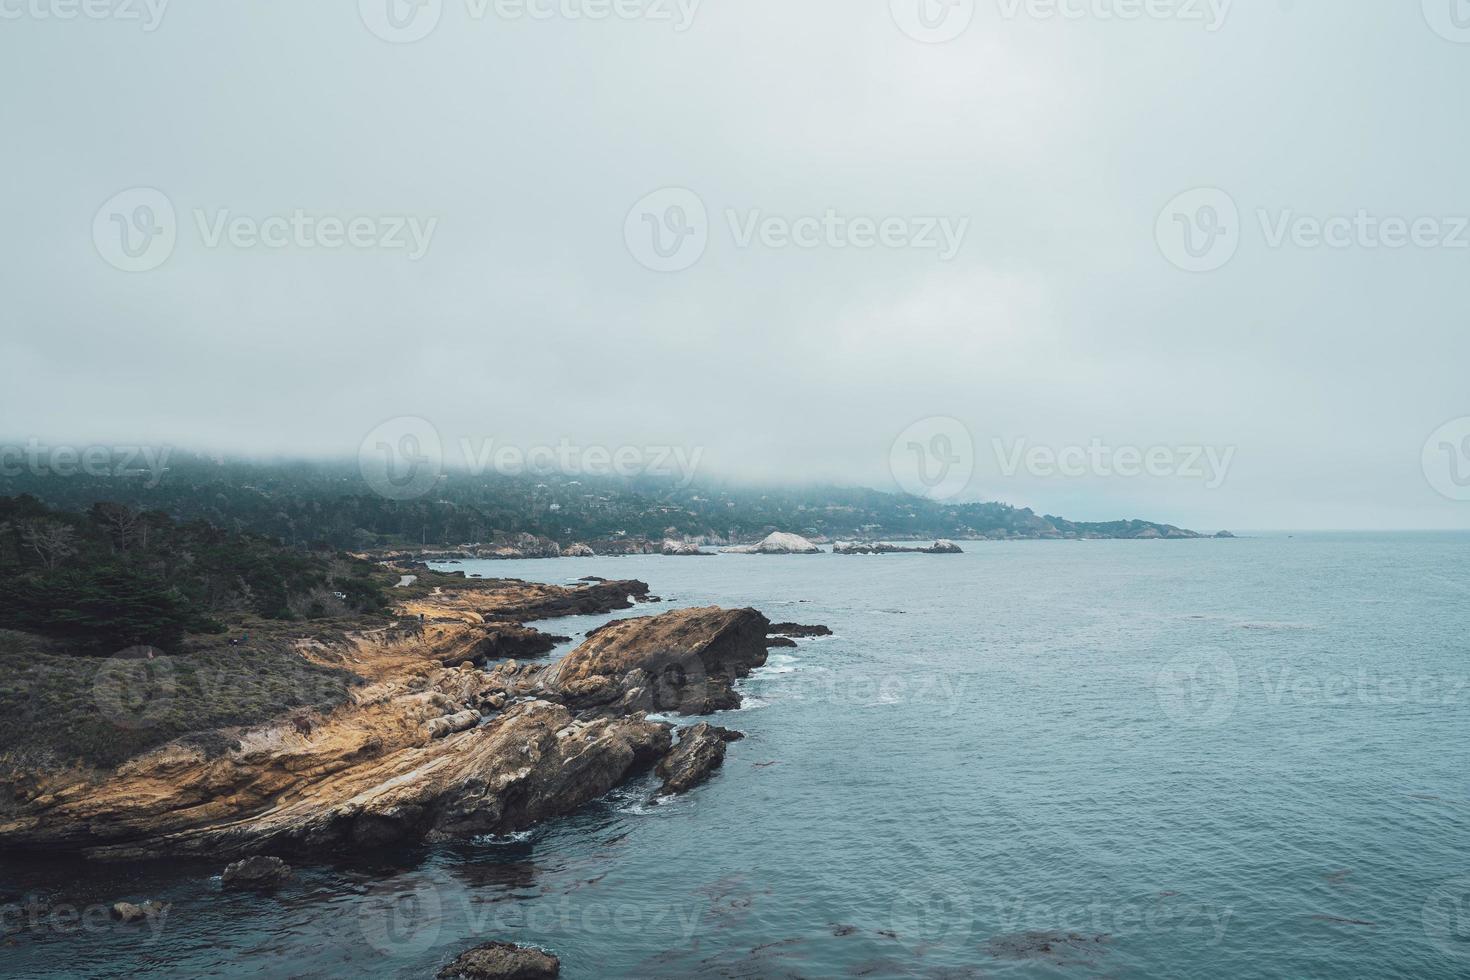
1188, 260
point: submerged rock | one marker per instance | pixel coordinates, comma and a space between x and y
258, 874
797, 630
502, 961
128, 913
701, 750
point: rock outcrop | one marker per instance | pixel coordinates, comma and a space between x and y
421, 751
797, 630
502, 961
686, 661
682, 548
127, 913
941, 547
256, 874
701, 750
778, 543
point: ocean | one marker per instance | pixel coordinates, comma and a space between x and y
1207, 758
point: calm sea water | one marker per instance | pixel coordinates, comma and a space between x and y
1222, 759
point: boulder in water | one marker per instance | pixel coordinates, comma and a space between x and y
502, 961
256, 874
777, 543
701, 750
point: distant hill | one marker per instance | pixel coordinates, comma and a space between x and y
307, 505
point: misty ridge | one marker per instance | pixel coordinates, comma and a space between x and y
353, 505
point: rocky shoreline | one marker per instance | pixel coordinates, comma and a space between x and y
432, 746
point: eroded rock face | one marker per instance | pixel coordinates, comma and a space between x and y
421, 752
502, 961
701, 750
256, 874
686, 661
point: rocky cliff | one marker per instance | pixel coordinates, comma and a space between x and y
429, 747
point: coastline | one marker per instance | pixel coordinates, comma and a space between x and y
453, 731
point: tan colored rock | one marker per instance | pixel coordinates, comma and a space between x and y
687, 660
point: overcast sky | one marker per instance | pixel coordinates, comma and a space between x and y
994, 234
